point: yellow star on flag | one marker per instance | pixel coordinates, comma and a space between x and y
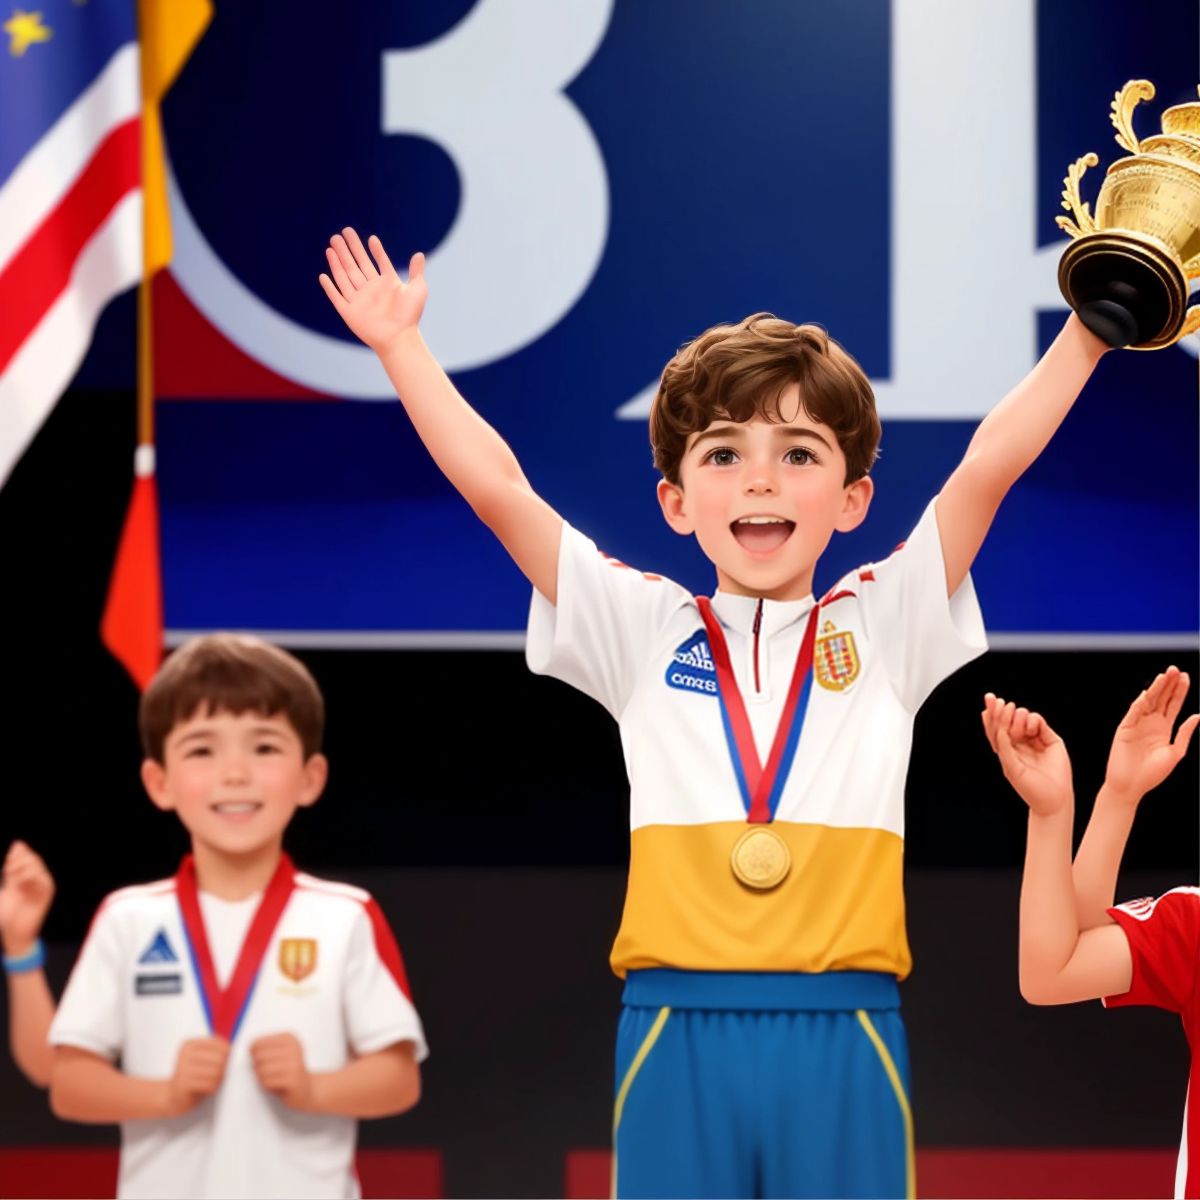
24, 29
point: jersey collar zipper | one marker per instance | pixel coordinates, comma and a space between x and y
758, 611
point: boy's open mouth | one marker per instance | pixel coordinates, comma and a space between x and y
762, 534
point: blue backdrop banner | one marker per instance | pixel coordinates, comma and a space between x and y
596, 183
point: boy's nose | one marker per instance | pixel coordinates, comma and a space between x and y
234, 769
759, 481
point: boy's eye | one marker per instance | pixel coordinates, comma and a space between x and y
198, 752
266, 748
800, 456
722, 456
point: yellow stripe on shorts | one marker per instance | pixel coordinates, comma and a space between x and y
626, 1083
910, 1162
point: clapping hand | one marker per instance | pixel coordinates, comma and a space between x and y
1033, 757
1143, 751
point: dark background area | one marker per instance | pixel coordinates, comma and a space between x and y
486, 808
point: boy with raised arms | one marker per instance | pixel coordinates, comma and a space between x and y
238, 1018
766, 731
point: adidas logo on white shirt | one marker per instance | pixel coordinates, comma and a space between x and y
159, 951
692, 668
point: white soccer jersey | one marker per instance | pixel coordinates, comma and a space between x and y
331, 974
886, 635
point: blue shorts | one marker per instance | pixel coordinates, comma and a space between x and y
762, 1085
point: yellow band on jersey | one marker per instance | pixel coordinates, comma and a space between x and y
840, 907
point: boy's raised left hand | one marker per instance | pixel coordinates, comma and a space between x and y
279, 1065
1032, 755
377, 305
26, 889
1143, 752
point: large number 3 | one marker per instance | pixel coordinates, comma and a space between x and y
533, 216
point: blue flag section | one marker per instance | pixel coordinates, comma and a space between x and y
80, 41
595, 184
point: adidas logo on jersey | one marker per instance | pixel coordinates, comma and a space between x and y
159, 951
692, 668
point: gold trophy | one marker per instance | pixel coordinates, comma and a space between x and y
1126, 270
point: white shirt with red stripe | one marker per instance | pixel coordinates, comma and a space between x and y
332, 975
1164, 943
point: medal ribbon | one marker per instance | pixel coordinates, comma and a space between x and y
760, 787
225, 1007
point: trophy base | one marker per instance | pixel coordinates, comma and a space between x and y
1127, 289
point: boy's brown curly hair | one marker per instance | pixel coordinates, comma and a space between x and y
732, 372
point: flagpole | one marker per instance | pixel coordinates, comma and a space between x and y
145, 366
132, 624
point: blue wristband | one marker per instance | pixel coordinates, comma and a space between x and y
26, 962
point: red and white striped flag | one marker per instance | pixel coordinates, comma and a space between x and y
83, 217
70, 197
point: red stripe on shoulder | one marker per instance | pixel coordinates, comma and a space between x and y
161, 887
616, 562
830, 597
386, 946
866, 576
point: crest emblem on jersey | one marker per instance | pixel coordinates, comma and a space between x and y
298, 957
692, 668
835, 658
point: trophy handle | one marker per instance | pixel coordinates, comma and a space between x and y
1124, 102
1071, 200
1191, 322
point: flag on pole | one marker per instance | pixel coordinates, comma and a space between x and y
70, 196
132, 625
83, 217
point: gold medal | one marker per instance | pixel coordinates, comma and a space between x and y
760, 858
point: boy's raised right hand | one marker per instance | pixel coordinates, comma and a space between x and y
199, 1069
376, 304
1033, 757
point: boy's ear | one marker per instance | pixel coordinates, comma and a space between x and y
670, 500
316, 773
154, 780
855, 504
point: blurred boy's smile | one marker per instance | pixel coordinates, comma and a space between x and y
763, 498
235, 781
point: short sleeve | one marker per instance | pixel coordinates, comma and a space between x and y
375, 994
599, 634
1164, 945
90, 1014
921, 634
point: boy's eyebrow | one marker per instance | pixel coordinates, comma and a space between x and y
196, 733
718, 433
791, 431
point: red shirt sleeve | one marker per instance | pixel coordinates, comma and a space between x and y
1164, 943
